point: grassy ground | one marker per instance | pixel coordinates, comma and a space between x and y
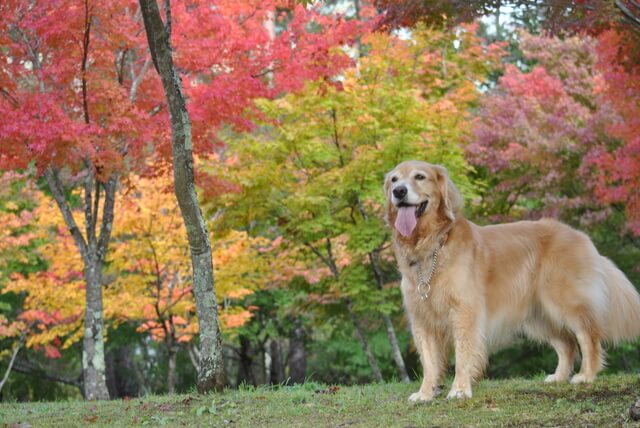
495, 403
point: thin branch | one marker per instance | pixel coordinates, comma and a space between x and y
28, 367
58, 194
5, 93
322, 257
167, 24
336, 140
85, 55
157, 109
16, 349
635, 20
120, 66
265, 72
107, 216
88, 204
138, 80
96, 207
194, 355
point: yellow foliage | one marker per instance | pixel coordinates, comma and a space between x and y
148, 271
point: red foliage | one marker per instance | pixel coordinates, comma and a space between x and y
228, 55
618, 171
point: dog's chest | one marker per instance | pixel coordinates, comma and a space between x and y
430, 302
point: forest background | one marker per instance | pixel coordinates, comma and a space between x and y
298, 110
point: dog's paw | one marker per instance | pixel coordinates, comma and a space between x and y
555, 378
459, 393
420, 397
582, 378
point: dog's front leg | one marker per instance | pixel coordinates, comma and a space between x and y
470, 350
432, 354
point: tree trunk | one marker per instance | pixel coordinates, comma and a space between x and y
331, 264
395, 349
93, 362
374, 258
16, 349
122, 379
245, 368
210, 367
171, 374
364, 342
277, 368
297, 354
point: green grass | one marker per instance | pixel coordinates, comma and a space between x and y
514, 402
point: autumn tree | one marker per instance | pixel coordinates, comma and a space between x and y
550, 116
154, 281
567, 116
265, 60
56, 57
316, 164
69, 108
617, 169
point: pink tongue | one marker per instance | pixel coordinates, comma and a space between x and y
406, 220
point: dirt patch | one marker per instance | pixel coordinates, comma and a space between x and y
595, 394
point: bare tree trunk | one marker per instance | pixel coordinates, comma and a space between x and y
122, 378
277, 368
171, 374
245, 368
297, 354
377, 375
374, 258
395, 349
16, 349
93, 362
93, 249
210, 367
331, 264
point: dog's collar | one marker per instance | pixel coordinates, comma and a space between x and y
440, 245
426, 282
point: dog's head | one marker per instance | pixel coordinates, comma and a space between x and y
420, 197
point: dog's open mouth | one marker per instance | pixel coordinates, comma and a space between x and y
408, 215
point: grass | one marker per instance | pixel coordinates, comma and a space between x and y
515, 402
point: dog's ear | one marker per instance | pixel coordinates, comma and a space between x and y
388, 212
451, 201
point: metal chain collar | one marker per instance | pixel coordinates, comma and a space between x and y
421, 280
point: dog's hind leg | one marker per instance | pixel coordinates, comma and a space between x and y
565, 347
592, 354
561, 341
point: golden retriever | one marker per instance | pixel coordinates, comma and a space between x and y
488, 283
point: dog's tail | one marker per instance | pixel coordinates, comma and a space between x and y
624, 305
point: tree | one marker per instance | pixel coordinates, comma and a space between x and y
56, 57
557, 15
150, 262
618, 170
316, 164
159, 38
548, 116
573, 117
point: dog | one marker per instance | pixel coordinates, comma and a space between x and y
473, 288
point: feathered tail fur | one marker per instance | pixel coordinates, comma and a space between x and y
624, 305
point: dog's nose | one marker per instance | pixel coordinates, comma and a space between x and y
400, 192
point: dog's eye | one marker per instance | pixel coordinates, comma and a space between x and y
419, 177
394, 179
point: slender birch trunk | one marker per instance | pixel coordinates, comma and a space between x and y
297, 354
210, 367
172, 372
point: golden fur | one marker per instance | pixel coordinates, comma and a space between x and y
542, 278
